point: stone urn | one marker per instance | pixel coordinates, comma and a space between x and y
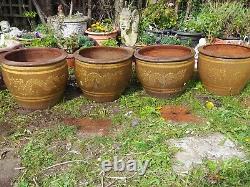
224, 69
74, 25
164, 70
103, 73
100, 37
36, 77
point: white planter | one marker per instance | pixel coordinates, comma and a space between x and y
74, 26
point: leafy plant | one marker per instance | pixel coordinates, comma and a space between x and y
158, 15
74, 42
110, 43
30, 15
171, 40
47, 41
147, 39
104, 26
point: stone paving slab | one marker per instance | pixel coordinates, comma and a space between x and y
195, 149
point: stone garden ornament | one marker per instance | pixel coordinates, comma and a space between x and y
8, 31
129, 23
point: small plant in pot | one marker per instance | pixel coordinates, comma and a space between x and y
72, 44
146, 38
190, 31
158, 18
101, 31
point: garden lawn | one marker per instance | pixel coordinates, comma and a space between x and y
53, 153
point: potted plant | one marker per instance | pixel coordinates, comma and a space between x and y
66, 26
164, 70
72, 44
101, 31
103, 73
36, 77
158, 18
190, 31
145, 39
224, 68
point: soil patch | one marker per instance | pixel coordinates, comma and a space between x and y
90, 126
246, 102
6, 129
204, 98
179, 114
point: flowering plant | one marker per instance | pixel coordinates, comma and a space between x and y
104, 26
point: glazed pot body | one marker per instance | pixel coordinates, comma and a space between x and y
100, 37
220, 72
101, 77
163, 75
35, 85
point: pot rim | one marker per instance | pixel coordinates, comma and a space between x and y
101, 61
165, 59
203, 51
101, 33
60, 58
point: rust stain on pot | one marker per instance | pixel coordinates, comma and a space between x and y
224, 69
179, 114
103, 73
90, 126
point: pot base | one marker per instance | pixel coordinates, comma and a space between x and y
101, 97
38, 103
164, 93
222, 91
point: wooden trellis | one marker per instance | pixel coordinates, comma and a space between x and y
12, 10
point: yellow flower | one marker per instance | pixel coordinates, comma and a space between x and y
209, 105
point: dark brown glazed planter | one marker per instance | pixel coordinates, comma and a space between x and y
224, 68
36, 77
103, 73
164, 70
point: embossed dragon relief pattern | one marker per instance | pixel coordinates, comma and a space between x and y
34, 86
163, 79
95, 80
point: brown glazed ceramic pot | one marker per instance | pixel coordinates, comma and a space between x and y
103, 73
100, 37
163, 70
36, 77
224, 68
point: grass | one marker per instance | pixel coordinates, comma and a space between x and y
52, 142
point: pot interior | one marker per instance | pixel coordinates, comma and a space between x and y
104, 54
31, 55
226, 51
165, 53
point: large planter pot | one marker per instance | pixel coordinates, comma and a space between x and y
103, 73
164, 70
100, 37
11, 45
36, 77
224, 68
192, 37
72, 26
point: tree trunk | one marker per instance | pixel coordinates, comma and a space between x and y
188, 10
39, 11
90, 9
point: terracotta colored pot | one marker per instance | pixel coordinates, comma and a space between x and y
164, 70
224, 68
103, 73
70, 61
36, 77
99, 37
